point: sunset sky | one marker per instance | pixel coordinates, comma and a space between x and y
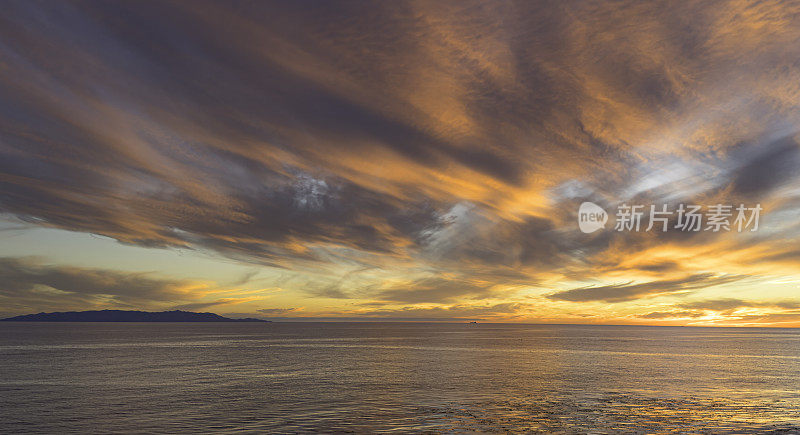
398, 159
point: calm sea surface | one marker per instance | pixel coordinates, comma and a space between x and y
395, 377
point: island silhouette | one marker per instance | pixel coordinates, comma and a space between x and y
126, 316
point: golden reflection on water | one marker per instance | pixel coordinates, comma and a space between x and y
368, 377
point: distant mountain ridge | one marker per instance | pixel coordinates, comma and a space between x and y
126, 316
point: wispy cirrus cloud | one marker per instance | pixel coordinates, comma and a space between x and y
630, 291
28, 284
733, 311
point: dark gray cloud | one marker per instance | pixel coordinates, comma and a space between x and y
728, 307
27, 284
717, 304
197, 306
377, 312
435, 290
732, 304
278, 311
458, 312
659, 266
670, 314
768, 167
629, 291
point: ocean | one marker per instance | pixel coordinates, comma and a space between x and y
395, 377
